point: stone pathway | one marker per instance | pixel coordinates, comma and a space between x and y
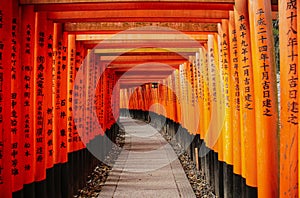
146, 167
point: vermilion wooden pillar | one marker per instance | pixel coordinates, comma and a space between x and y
17, 128
27, 133
63, 100
78, 124
206, 92
56, 101
63, 115
228, 103
226, 73
198, 91
289, 98
177, 94
5, 94
266, 105
40, 53
70, 82
235, 105
298, 30
48, 92
49, 108
211, 137
247, 108
100, 106
58, 150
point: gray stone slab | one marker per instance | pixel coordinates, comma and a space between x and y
147, 167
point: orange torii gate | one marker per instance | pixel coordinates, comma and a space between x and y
231, 77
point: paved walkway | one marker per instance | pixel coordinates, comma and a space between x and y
146, 167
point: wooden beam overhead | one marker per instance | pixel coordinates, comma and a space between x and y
144, 58
131, 65
116, 1
148, 15
149, 44
128, 37
131, 53
144, 50
119, 26
145, 62
142, 5
142, 19
121, 70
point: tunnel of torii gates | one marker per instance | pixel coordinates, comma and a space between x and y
69, 68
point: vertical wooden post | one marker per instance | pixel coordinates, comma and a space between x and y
266, 105
289, 98
57, 124
228, 103
248, 133
176, 96
225, 70
235, 105
62, 71
48, 108
206, 92
211, 137
298, 37
78, 98
57, 33
39, 96
6, 58
27, 66
199, 91
71, 78
16, 94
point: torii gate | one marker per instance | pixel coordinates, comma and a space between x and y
39, 37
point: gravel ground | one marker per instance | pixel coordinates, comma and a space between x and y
97, 178
195, 177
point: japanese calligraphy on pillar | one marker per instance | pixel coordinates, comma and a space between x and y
212, 69
58, 121
225, 62
48, 89
235, 94
39, 81
71, 77
235, 67
245, 64
62, 91
27, 67
265, 61
264, 73
246, 83
6, 12
76, 103
292, 46
16, 93
289, 97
